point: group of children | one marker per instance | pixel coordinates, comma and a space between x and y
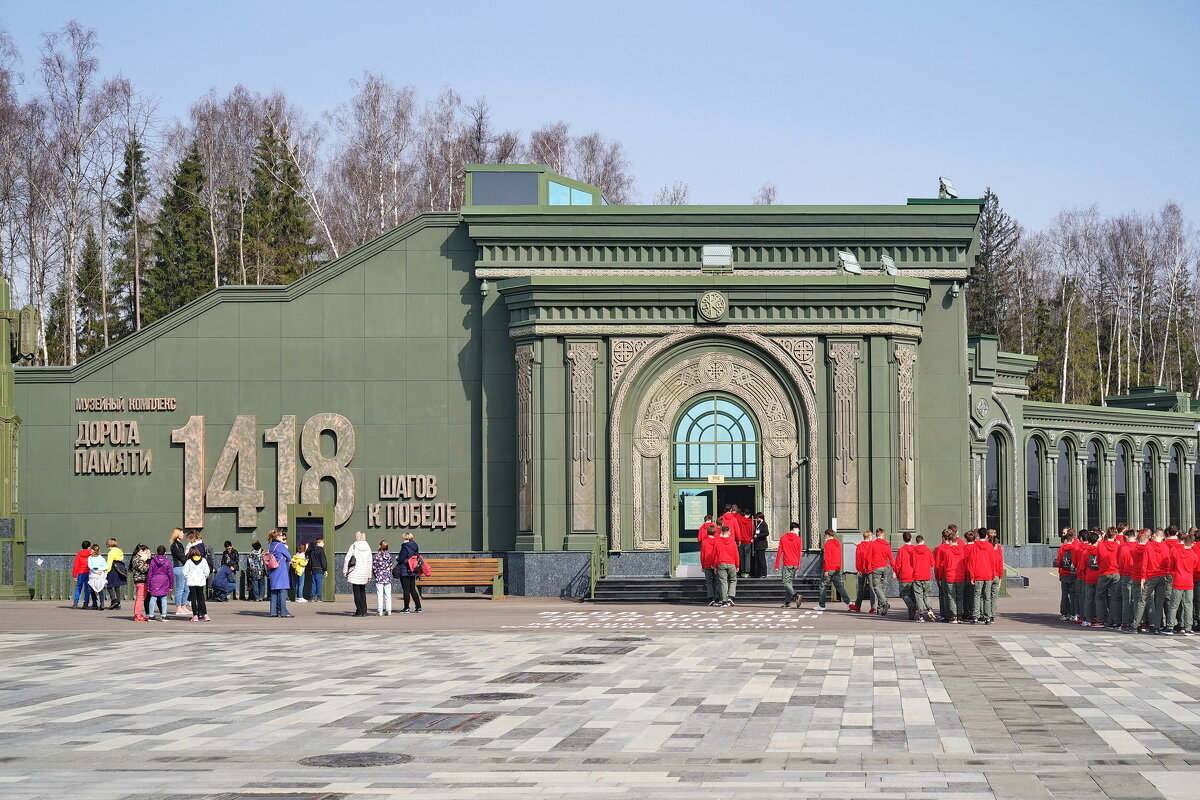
1130, 580
153, 574
967, 570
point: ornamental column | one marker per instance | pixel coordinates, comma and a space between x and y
582, 358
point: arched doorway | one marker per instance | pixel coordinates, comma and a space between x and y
715, 456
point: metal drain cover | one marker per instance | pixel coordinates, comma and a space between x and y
573, 662
356, 760
624, 638
537, 677
606, 650
434, 722
489, 697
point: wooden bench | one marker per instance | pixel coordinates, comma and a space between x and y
466, 572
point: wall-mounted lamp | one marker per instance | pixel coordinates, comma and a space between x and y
484, 288
955, 289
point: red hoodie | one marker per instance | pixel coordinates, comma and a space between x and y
1157, 560
880, 554
1137, 558
1125, 559
727, 552
979, 560
939, 561
702, 534
921, 560
956, 563
744, 531
997, 562
1183, 567
1079, 557
1107, 553
80, 566
903, 566
730, 520
790, 550
833, 555
1063, 558
708, 552
862, 556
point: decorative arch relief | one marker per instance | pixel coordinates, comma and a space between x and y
710, 372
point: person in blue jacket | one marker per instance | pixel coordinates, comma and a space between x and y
408, 578
279, 579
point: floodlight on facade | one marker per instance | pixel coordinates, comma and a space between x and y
946, 190
887, 264
716, 255
848, 262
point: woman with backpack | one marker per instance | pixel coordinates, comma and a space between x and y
160, 579
278, 563
256, 573
357, 570
139, 566
409, 572
118, 573
381, 573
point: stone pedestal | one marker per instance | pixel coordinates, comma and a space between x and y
13, 585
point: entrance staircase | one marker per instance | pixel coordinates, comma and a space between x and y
750, 591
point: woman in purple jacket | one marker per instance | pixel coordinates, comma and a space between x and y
160, 580
279, 580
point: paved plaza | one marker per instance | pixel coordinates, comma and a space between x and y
553, 698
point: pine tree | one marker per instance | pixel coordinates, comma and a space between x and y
182, 250
132, 243
278, 230
988, 296
88, 297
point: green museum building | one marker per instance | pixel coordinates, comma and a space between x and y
542, 375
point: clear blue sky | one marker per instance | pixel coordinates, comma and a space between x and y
1051, 103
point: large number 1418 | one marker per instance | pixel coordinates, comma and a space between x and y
241, 448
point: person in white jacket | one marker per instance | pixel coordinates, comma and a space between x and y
357, 570
97, 579
195, 572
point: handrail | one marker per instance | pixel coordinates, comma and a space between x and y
599, 563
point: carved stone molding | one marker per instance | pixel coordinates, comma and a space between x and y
804, 352
621, 353
912, 331
525, 358
906, 357
678, 335
616, 272
844, 357
582, 357
740, 377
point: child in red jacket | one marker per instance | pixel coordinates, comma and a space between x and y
708, 560
79, 569
921, 568
902, 567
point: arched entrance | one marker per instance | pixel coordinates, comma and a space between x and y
714, 463
689, 375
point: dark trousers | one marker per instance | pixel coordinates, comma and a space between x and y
196, 595
864, 591
360, 598
409, 584
758, 564
1066, 606
744, 557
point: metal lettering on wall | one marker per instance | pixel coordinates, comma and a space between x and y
241, 448
417, 514
125, 404
125, 434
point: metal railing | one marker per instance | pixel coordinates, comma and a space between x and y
599, 563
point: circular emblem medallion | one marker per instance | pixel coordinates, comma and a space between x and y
982, 408
712, 306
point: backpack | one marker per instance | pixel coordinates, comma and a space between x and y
255, 566
1093, 562
269, 560
419, 566
398, 569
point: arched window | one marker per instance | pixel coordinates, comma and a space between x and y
1148, 487
1174, 514
1120, 481
1033, 490
1092, 477
993, 474
1065, 457
716, 436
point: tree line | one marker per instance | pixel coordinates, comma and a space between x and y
1106, 303
111, 217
